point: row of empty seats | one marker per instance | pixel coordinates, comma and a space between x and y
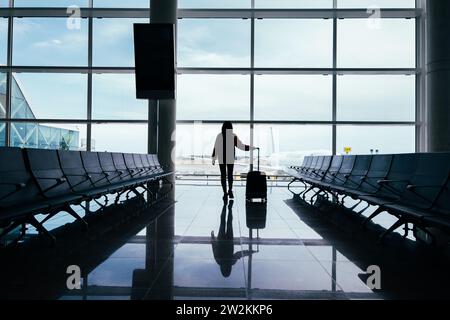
413, 187
37, 181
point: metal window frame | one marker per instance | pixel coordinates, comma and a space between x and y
252, 13
334, 85
252, 85
421, 83
9, 78
89, 82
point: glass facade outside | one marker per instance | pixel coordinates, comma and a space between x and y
32, 135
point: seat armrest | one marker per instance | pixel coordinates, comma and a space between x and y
58, 180
384, 181
412, 186
17, 185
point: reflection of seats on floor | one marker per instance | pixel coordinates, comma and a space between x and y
415, 188
37, 181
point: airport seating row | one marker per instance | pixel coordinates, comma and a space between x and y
415, 188
37, 181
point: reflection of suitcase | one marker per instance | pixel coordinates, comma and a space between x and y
256, 187
256, 215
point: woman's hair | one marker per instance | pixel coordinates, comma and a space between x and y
226, 268
227, 125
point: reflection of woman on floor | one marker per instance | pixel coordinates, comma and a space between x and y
223, 245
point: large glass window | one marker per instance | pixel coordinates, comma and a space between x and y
2, 134
51, 3
376, 139
113, 44
293, 97
4, 3
216, 4
376, 4
376, 43
213, 97
285, 145
2, 95
3, 40
131, 138
50, 42
114, 97
294, 43
49, 96
376, 98
121, 3
213, 43
294, 4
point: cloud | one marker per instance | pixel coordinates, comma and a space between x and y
48, 43
193, 57
114, 97
69, 41
108, 31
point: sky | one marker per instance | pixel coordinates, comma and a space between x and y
3, 40
82, 3
226, 43
301, 4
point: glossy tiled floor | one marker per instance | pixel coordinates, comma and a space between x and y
199, 248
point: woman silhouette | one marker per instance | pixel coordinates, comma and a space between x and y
224, 151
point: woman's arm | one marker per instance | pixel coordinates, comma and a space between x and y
214, 156
242, 146
214, 153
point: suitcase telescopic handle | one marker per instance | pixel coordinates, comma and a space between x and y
258, 157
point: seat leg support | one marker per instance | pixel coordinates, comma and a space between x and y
296, 195
355, 205
396, 225
10, 228
363, 209
74, 214
102, 205
40, 228
48, 217
373, 215
303, 194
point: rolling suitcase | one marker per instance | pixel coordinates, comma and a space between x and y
256, 187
